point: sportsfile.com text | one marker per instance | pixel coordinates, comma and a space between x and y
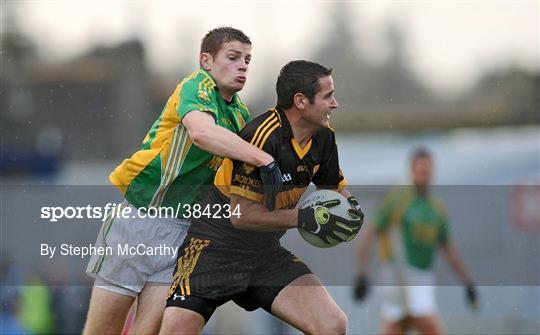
186, 211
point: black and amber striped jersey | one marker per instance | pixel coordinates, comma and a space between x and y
316, 162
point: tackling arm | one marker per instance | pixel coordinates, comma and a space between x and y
208, 136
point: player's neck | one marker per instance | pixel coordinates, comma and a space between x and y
422, 190
302, 131
225, 94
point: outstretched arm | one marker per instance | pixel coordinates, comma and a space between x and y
208, 136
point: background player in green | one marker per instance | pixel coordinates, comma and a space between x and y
411, 226
178, 158
240, 258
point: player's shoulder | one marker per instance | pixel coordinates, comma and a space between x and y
263, 128
326, 132
325, 136
271, 116
200, 84
437, 204
401, 194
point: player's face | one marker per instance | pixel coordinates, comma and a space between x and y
318, 113
421, 171
229, 67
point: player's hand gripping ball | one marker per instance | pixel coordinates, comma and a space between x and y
325, 219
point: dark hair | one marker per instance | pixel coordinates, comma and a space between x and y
420, 152
299, 76
212, 41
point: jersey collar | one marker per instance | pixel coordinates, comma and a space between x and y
203, 70
286, 130
234, 100
414, 190
235, 97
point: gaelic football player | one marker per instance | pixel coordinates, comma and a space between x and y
411, 226
173, 168
239, 257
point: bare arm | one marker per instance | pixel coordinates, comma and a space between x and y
455, 260
255, 216
366, 240
345, 192
208, 136
361, 284
364, 248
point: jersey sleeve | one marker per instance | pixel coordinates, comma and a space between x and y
195, 96
444, 232
383, 217
329, 175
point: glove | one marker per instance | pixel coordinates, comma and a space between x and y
320, 222
471, 295
356, 208
361, 288
272, 182
353, 202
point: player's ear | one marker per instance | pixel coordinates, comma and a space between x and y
205, 60
300, 101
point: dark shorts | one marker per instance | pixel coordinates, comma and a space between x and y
210, 274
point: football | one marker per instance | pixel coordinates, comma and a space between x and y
316, 198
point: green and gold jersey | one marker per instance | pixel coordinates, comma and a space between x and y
420, 223
169, 170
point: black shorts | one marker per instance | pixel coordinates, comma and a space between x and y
210, 274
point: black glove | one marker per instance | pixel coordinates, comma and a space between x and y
471, 296
320, 222
356, 208
272, 182
353, 202
361, 288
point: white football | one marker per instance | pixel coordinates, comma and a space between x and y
316, 198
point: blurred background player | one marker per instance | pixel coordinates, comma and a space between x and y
241, 258
411, 225
177, 160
